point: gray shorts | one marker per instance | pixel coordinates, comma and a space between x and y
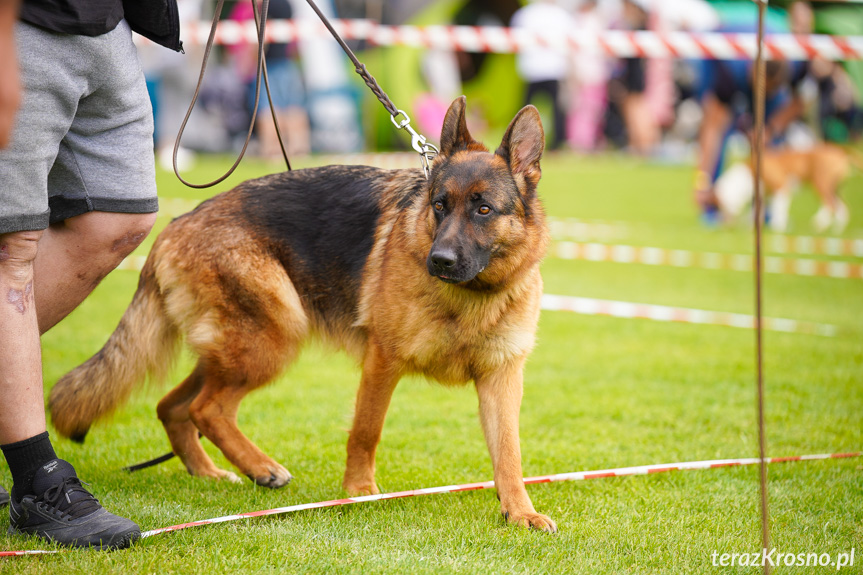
83, 136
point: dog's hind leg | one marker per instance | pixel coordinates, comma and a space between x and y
173, 411
242, 316
826, 184
214, 412
257, 332
841, 216
822, 218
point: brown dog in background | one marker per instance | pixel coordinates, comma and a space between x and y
825, 167
438, 277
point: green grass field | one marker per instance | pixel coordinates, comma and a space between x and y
600, 392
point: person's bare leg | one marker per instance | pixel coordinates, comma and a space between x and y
75, 255
717, 118
22, 410
23, 437
295, 123
643, 131
267, 138
43, 277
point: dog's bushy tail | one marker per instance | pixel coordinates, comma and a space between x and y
144, 344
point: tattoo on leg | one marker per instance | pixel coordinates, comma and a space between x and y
21, 299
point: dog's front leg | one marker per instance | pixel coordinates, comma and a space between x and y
499, 404
380, 376
780, 205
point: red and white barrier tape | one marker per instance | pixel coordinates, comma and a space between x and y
809, 245
585, 230
498, 39
608, 230
629, 310
573, 476
624, 254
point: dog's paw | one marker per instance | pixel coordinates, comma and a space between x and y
360, 489
840, 218
231, 477
536, 521
217, 474
272, 476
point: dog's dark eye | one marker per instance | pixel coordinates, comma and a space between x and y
484, 210
438, 205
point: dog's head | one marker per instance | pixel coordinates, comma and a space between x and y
483, 213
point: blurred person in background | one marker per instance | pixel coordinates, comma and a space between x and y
840, 118
545, 69
589, 79
627, 90
286, 87
171, 82
728, 107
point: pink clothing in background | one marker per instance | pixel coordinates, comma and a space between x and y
588, 90
584, 122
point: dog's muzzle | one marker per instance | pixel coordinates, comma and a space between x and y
443, 264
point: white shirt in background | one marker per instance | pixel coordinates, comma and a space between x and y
539, 64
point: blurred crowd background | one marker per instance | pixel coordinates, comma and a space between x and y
669, 109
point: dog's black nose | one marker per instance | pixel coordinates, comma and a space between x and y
443, 259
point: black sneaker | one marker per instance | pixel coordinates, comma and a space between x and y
64, 512
4, 496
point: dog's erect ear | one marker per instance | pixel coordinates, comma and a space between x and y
454, 135
523, 144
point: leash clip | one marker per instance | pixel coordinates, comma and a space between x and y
419, 143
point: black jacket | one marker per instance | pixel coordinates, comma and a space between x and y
157, 20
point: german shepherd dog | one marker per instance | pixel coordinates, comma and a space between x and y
438, 277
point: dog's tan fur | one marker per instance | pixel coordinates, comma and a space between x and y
212, 278
825, 167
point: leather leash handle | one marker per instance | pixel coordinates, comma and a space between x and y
261, 71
